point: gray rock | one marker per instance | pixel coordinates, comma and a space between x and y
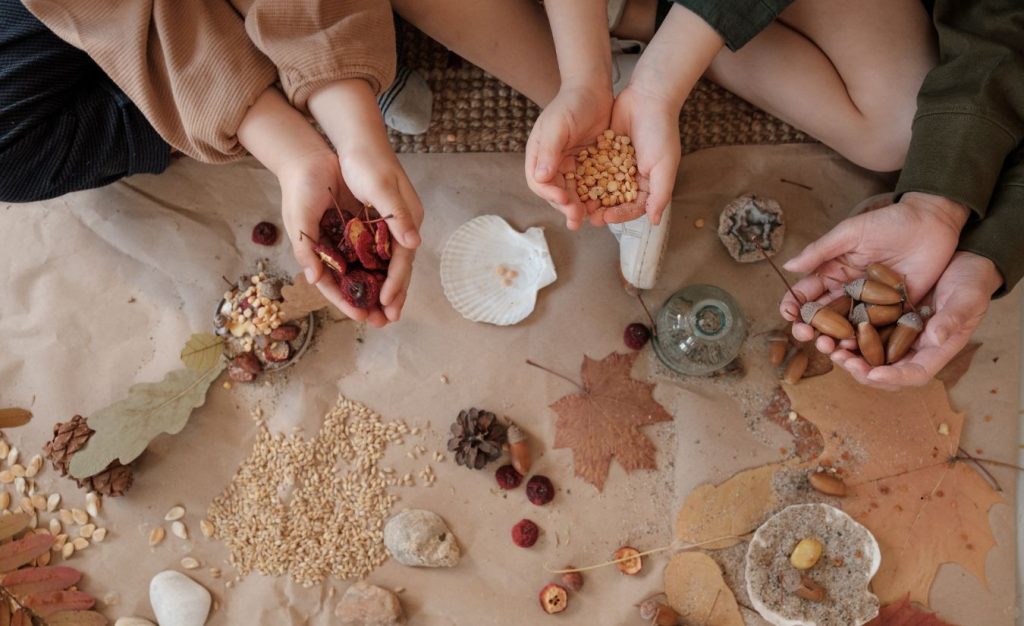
368, 605
178, 600
420, 538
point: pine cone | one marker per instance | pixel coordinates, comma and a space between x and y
69, 437
477, 437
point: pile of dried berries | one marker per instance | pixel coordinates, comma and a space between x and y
257, 337
356, 251
606, 171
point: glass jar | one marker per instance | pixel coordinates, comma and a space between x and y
700, 330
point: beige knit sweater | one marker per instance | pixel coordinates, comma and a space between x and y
194, 67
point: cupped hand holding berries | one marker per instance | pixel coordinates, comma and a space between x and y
916, 238
348, 113
576, 116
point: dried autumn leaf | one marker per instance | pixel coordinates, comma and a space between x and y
301, 299
958, 366
202, 351
51, 602
904, 613
924, 507
807, 440
603, 421
696, 590
76, 618
730, 509
14, 417
125, 428
33, 580
11, 525
17, 553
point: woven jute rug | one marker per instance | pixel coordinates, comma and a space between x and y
475, 112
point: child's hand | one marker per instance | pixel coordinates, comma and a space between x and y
652, 124
916, 238
572, 121
348, 113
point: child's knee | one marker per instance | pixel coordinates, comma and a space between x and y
880, 146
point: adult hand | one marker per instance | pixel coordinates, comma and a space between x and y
915, 237
569, 123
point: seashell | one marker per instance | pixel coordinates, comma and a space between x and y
849, 560
492, 273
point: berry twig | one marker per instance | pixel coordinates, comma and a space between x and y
553, 372
672, 546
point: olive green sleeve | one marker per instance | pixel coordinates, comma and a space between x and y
1000, 236
737, 21
970, 110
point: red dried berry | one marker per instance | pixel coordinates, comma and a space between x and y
287, 332
332, 224
539, 490
572, 580
382, 240
360, 288
525, 533
636, 336
331, 257
508, 477
361, 240
264, 234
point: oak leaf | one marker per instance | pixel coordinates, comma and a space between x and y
904, 613
14, 417
728, 510
202, 351
125, 428
697, 591
898, 453
603, 420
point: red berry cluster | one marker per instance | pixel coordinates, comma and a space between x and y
356, 251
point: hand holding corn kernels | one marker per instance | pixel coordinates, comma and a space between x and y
916, 238
606, 179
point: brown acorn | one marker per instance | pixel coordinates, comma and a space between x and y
883, 274
885, 332
519, 449
826, 321
908, 327
883, 314
796, 367
873, 292
777, 348
870, 344
810, 590
842, 305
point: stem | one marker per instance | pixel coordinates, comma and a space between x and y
551, 371
302, 234
711, 611
654, 327
230, 284
793, 182
670, 546
777, 271
337, 206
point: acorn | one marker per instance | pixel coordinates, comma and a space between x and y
777, 348
842, 305
810, 590
908, 327
796, 367
870, 344
826, 320
873, 292
519, 449
878, 314
885, 332
883, 274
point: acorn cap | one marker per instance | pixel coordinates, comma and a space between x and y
854, 288
859, 314
809, 310
514, 433
925, 312
913, 320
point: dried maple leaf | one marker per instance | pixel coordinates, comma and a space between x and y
904, 613
807, 439
603, 420
730, 509
898, 454
697, 591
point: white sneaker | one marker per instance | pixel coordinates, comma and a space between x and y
641, 246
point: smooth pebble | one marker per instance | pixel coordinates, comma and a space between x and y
178, 600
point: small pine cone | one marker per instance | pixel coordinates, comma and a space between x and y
68, 438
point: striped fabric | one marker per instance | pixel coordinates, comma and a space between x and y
64, 126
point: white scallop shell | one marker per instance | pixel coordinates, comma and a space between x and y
472, 264
835, 521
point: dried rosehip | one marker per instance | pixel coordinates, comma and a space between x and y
239, 374
264, 234
554, 598
636, 336
572, 580
382, 240
508, 477
539, 490
633, 562
277, 352
361, 239
525, 533
332, 224
287, 332
249, 362
360, 288
331, 257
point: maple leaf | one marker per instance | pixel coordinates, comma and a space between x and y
903, 613
898, 454
603, 420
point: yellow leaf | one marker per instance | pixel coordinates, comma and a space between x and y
13, 417
732, 509
697, 591
202, 351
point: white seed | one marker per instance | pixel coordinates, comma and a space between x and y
66, 517
189, 563
5, 500
67, 550
52, 502
206, 527
20, 485
156, 536
62, 538
79, 516
80, 543
92, 503
55, 526
176, 513
99, 535
87, 531
12, 456
39, 502
43, 559
5, 449
179, 530
25, 505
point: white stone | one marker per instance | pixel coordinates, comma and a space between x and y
133, 621
178, 600
369, 605
420, 538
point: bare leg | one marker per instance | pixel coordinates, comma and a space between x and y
847, 73
637, 21
510, 39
